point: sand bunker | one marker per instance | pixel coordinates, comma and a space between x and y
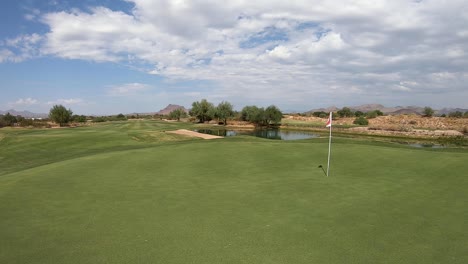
193, 134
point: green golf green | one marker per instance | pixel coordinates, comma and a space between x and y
130, 193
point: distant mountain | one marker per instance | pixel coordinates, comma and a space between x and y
368, 107
408, 111
170, 108
397, 110
25, 114
388, 110
326, 110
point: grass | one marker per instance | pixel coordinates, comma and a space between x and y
300, 124
128, 193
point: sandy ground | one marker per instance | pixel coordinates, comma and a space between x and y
193, 134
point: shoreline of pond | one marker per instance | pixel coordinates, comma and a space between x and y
414, 141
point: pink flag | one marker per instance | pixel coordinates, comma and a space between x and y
329, 121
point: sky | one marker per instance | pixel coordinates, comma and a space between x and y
126, 56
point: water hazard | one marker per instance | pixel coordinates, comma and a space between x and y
263, 133
278, 134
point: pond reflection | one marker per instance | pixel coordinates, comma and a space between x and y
263, 133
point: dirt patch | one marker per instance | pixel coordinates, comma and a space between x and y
189, 133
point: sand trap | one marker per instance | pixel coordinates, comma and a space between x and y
193, 134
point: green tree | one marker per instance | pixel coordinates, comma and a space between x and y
345, 112
224, 111
9, 119
428, 112
79, 118
59, 114
359, 113
248, 113
261, 116
273, 115
177, 114
202, 110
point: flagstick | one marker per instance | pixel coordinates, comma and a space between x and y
329, 147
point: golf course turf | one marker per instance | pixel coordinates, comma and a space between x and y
127, 192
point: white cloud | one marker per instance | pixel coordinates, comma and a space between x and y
23, 102
71, 101
128, 89
6, 55
21, 48
267, 50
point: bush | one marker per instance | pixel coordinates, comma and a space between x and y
359, 113
456, 114
374, 114
8, 120
428, 112
361, 121
99, 119
319, 114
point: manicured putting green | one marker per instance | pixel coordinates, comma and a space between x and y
237, 200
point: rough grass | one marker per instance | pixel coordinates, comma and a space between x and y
96, 195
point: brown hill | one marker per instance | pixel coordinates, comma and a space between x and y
25, 114
170, 108
407, 111
371, 107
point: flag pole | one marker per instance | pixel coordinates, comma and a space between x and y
329, 124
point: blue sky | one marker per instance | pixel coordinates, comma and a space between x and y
116, 56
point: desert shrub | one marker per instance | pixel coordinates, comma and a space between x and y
428, 112
99, 119
371, 114
359, 113
26, 122
8, 119
361, 121
456, 114
374, 114
319, 113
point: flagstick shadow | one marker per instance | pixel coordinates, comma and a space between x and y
324, 172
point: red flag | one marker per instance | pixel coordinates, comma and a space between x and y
329, 121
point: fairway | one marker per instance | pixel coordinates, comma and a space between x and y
130, 193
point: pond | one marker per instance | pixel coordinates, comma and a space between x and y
263, 133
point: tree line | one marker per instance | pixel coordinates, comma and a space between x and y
205, 111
